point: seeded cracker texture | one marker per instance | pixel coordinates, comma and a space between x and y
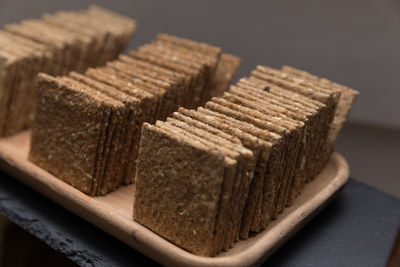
346, 100
233, 176
252, 97
67, 132
56, 44
270, 187
64, 141
294, 102
114, 138
7, 68
332, 104
326, 116
196, 59
225, 73
178, 188
177, 61
18, 98
247, 160
279, 113
176, 78
129, 129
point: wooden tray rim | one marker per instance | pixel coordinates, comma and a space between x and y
150, 243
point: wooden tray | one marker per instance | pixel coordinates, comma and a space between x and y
112, 213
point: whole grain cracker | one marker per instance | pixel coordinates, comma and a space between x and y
164, 88
346, 100
168, 75
239, 179
326, 115
190, 74
230, 188
280, 113
129, 132
57, 153
198, 70
258, 146
294, 130
270, 200
113, 136
297, 112
8, 66
249, 168
183, 216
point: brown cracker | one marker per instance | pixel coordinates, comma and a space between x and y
182, 216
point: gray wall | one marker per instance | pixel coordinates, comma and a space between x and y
354, 42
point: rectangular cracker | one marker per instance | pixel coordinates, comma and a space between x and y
248, 168
124, 27
190, 74
124, 78
148, 105
274, 161
197, 71
346, 100
117, 119
227, 212
171, 76
163, 88
65, 141
285, 115
8, 66
129, 132
270, 200
258, 146
289, 108
177, 210
227, 68
328, 114
18, 88
206, 63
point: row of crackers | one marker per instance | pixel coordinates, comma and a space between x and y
209, 177
55, 44
87, 126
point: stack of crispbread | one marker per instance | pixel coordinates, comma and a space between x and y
208, 177
87, 126
54, 44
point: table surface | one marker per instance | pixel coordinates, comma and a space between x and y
357, 229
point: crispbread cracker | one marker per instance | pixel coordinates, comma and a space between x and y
57, 44
190, 204
224, 74
8, 65
191, 75
290, 118
297, 112
171, 76
258, 146
161, 88
129, 131
248, 169
346, 100
197, 71
111, 147
67, 137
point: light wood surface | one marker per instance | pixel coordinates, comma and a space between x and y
113, 213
